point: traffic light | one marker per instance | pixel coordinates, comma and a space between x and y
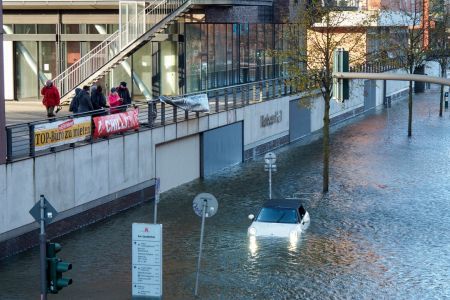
55, 269
341, 89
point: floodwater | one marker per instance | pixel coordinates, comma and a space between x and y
382, 232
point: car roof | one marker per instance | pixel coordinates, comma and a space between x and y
283, 203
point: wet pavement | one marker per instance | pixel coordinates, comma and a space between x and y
382, 232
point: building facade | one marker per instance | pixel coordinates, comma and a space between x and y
211, 44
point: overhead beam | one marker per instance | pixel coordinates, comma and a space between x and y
388, 76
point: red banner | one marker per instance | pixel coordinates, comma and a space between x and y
116, 123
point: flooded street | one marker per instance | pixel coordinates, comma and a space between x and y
382, 232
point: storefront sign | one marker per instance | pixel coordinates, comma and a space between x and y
269, 120
146, 251
116, 123
61, 133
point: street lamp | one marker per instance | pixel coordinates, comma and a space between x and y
270, 159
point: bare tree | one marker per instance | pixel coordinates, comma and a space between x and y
318, 30
404, 40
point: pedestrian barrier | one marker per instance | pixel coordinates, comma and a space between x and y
21, 143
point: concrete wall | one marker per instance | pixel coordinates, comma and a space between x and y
74, 177
178, 162
255, 133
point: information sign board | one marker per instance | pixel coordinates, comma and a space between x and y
147, 260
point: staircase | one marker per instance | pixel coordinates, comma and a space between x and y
119, 46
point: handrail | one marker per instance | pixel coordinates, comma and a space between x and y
100, 55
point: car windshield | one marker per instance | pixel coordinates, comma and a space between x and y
277, 215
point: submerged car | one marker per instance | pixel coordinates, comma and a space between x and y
280, 218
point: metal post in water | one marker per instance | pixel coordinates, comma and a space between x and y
43, 250
155, 216
270, 159
270, 181
201, 244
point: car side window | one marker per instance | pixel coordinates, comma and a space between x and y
301, 212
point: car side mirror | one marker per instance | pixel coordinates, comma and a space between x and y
251, 216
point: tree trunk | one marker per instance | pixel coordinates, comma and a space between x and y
410, 107
326, 142
441, 102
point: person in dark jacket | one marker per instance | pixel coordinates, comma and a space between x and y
98, 99
74, 103
84, 101
123, 92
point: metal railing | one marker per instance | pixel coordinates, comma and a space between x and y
113, 46
152, 113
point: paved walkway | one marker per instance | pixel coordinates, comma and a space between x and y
27, 111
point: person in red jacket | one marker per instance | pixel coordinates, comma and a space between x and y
51, 97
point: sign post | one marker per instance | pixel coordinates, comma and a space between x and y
157, 186
270, 159
42, 212
205, 206
146, 270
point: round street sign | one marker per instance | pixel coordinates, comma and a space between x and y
270, 158
211, 205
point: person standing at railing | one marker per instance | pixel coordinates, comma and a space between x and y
84, 101
98, 99
51, 97
75, 100
114, 100
124, 93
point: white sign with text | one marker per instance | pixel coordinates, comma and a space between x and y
147, 260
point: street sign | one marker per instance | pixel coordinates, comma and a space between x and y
270, 158
147, 260
49, 215
211, 205
205, 206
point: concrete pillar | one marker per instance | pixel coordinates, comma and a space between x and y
2, 95
169, 68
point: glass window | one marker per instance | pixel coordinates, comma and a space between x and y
96, 29
220, 45
243, 49
278, 215
25, 28
211, 57
8, 28
47, 60
111, 28
26, 70
71, 29
46, 28
252, 52
260, 52
193, 57
73, 52
269, 46
142, 73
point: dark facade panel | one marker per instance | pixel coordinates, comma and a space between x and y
369, 94
221, 148
299, 120
239, 14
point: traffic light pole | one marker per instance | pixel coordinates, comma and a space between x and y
43, 251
